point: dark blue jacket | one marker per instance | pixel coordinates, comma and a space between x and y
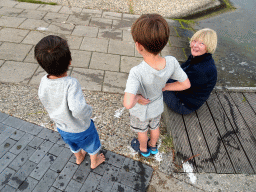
202, 74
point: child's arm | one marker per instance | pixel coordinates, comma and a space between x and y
77, 104
177, 86
130, 100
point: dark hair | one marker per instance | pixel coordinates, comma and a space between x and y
151, 31
53, 55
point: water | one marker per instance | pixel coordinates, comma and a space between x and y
235, 56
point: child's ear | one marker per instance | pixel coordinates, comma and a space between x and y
139, 47
69, 63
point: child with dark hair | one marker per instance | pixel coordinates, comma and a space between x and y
146, 81
63, 99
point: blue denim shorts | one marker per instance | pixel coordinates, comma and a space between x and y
88, 140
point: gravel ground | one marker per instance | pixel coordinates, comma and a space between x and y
167, 8
22, 101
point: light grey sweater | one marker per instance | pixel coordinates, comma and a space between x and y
147, 81
64, 101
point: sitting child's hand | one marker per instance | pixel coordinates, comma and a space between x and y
142, 100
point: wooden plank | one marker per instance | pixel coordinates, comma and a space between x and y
251, 98
175, 124
198, 144
229, 137
239, 126
219, 155
247, 113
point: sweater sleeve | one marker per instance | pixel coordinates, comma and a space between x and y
132, 84
76, 102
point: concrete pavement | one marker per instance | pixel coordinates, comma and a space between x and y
102, 48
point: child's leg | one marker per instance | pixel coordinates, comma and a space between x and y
154, 136
96, 160
80, 156
143, 139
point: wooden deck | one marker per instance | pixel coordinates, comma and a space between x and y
220, 137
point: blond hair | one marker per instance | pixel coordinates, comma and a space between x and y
208, 37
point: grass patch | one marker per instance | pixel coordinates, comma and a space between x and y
185, 21
131, 11
167, 144
228, 5
37, 2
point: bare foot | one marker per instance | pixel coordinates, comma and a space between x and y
80, 157
98, 160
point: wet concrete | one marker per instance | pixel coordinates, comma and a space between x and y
235, 55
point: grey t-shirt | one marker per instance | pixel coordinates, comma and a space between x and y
64, 101
147, 81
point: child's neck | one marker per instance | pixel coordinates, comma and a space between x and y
155, 61
57, 77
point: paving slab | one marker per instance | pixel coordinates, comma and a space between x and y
17, 135
13, 35
65, 176
179, 41
70, 10
22, 158
86, 31
112, 15
8, 131
91, 182
90, 79
8, 3
50, 8
123, 24
30, 57
127, 36
23, 5
21, 144
104, 61
92, 12
95, 44
1, 62
28, 185
13, 51
41, 151
32, 14
33, 37
129, 62
17, 72
74, 42
115, 34
6, 160
6, 21
8, 188
6, 145
80, 58
5, 176
9, 11
176, 52
114, 82
17, 179
121, 47
33, 24
101, 23
27, 166
42, 167
55, 17
73, 186
61, 28
78, 20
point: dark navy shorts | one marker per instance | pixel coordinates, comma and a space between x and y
88, 140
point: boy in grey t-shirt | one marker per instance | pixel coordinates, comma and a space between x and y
146, 81
63, 99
